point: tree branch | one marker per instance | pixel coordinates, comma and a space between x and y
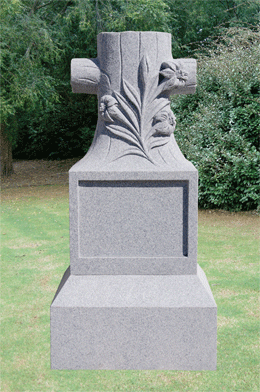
62, 12
34, 7
221, 2
236, 6
65, 7
27, 53
44, 5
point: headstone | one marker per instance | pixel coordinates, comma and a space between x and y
133, 296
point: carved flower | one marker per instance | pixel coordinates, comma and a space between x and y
173, 72
108, 108
164, 122
168, 70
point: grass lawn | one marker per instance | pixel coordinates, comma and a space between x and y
35, 254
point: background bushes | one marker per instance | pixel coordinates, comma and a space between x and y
62, 131
218, 127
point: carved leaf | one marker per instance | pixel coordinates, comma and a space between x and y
144, 69
156, 106
167, 73
136, 152
129, 111
169, 84
105, 83
159, 141
169, 65
132, 94
123, 133
152, 88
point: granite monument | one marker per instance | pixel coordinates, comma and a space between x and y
134, 296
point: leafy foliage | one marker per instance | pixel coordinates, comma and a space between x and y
60, 132
218, 127
27, 44
40, 39
202, 23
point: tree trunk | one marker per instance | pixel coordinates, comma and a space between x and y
6, 153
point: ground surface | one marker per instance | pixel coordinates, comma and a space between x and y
39, 172
35, 254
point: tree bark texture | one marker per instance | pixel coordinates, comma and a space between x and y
6, 156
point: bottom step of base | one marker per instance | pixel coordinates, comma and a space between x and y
134, 322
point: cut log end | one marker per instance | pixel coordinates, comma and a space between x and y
85, 76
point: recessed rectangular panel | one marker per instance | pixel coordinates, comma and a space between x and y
133, 218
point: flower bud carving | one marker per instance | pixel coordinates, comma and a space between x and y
164, 123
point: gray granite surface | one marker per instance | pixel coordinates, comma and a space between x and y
134, 296
134, 322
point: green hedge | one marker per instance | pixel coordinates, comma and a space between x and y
61, 132
218, 127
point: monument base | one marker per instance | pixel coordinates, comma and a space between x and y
134, 322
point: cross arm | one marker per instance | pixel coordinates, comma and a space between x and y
85, 75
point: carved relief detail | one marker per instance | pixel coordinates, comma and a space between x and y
143, 118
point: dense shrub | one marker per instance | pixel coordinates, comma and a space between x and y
53, 123
62, 132
218, 127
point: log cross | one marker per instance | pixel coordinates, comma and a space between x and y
134, 76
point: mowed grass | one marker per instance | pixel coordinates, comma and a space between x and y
35, 254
